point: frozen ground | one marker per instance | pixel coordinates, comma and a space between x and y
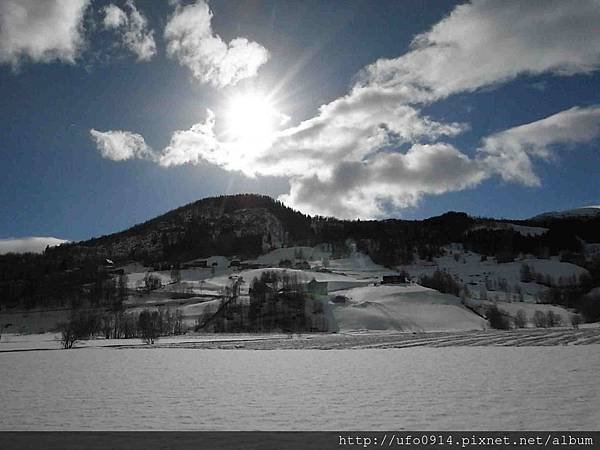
475, 388
586, 335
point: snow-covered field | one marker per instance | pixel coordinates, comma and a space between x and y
475, 388
587, 334
404, 308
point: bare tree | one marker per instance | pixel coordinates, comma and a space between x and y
498, 319
68, 335
122, 287
553, 319
576, 320
520, 319
152, 282
149, 326
175, 275
178, 325
4, 328
540, 320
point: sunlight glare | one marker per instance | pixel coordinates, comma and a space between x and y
252, 120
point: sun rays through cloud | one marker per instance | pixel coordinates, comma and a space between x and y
378, 131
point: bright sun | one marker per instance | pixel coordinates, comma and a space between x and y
251, 119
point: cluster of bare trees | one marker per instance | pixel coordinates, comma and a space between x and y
501, 320
546, 320
441, 281
528, 275
278, 302
147, 325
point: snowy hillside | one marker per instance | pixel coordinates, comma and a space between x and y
369, 305
586, 211
498, 280
356, 298
404, 308
521, 229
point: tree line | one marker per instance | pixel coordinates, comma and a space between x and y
276, 303
146, 324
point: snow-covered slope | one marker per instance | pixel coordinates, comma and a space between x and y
404, 308
335, 281
358, 265
371, 305
291, 254
521, 229
479, 273
586, 211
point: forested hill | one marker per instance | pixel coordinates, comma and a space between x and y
245, 226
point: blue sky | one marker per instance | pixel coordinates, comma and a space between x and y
115, 112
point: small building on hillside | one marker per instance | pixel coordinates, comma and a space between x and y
394, 279
196, 263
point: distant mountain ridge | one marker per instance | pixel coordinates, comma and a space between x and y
585, 211
244, 223
247, 225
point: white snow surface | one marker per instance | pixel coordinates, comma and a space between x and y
404, 308
335, 281
360, 266
521, 229
469, 269
290, 253
33, 244
585, 211
475, 388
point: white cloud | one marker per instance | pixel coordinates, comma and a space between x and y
351, 128
114, 17
477, 45
487, 42
366, 183
41, 31
28, 244
509, 152
133, 29
121, 145
191, 40
365, 189
195, 145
